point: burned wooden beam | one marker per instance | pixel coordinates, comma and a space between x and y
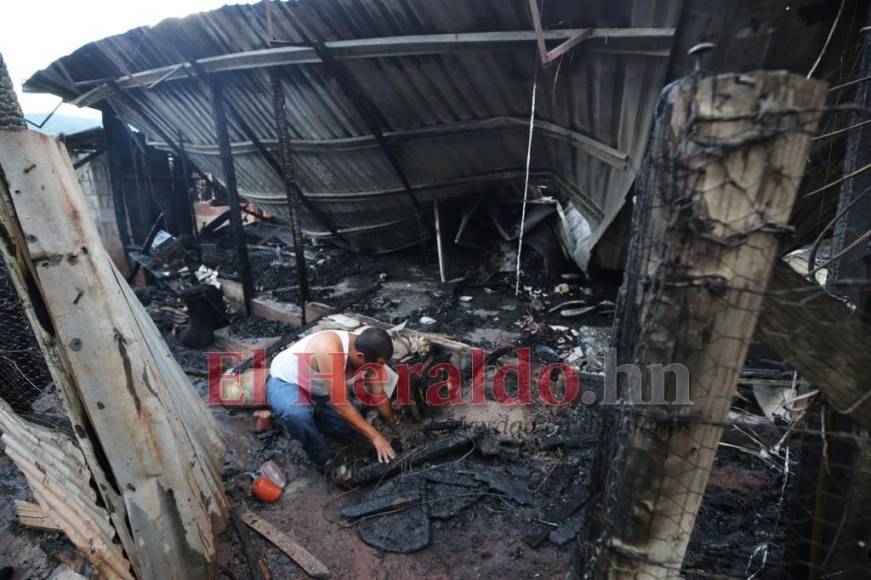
379, 505
422, 454
850, 275
116, 138
261, 148
370, 115
294, 195
189, 199
819, 336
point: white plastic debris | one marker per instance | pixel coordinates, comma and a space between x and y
465, 298
427, 320
207, 276
399, 327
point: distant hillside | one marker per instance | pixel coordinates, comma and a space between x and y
65, 124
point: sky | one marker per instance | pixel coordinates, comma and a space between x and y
34, 33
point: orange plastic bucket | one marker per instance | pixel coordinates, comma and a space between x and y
266, 490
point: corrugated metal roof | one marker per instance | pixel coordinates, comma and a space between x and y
456, 120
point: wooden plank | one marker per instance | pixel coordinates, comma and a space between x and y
269, 308
818, 335
159, 438
312, 566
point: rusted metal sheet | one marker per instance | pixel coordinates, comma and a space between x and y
601, 92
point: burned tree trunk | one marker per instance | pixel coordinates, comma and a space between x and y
724, 166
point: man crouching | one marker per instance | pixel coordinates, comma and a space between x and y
310, 389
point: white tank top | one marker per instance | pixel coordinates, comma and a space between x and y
285, 365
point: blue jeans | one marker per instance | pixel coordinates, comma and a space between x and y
306, 417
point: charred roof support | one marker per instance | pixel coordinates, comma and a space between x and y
316, 212
370, 114
313, 209
232, 192
294, 195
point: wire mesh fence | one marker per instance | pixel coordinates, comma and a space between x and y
734, 449
25, 382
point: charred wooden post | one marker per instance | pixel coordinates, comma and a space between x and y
232, 192
817, 335
291, 188
189, 198
150, 444
722, 173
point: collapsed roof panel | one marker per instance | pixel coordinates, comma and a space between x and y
449, 81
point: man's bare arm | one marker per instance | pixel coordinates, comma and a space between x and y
385, 411
382, 446
325, 348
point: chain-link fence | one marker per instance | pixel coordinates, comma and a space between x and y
735, 448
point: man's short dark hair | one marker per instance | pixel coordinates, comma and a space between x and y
374, 343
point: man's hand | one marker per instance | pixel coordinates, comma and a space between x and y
383, 449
